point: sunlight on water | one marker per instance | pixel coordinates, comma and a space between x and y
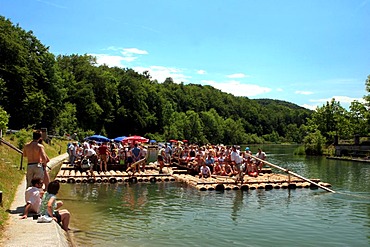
174, 214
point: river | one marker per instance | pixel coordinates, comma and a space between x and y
174, 214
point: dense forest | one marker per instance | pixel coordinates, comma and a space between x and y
72, 94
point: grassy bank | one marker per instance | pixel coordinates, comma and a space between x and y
11, 175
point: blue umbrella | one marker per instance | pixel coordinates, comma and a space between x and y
119, 139
152, 141
97, 138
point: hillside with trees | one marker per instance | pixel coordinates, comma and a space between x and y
72, 94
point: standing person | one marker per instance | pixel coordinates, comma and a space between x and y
261, 155
49, 206
160, 158
103, 154
33, 197
73, 153
143, 155
36, 156
168, 153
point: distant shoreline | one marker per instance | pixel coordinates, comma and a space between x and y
349, 159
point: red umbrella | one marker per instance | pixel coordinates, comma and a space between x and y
133, 139
173, 140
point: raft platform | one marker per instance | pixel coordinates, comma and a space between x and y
266, 180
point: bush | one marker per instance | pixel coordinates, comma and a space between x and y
299, 151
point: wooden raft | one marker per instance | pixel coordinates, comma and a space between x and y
266, 180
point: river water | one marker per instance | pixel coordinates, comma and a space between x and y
174, 214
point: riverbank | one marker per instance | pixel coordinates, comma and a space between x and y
28, 232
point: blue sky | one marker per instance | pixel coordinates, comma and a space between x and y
304, 52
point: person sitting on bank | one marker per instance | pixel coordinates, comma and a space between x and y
33, 197
205, 172
50, 206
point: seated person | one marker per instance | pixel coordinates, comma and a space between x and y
252, 168
210, 161
33, 197
204, 171
49, 206
217, 169
227, 170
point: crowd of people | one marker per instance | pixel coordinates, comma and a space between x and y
208, 160
40, 194
97, 156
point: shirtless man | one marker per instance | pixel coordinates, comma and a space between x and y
37, 158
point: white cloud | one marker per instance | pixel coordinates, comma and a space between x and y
303, 92
311, 107
279, 90
127, 55
341, 99
344, 101
238, 89
237, 75
109, 60
130, 51
160, 73
201, 72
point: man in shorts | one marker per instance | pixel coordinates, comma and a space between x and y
37, 158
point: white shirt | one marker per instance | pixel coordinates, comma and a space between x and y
90, 152
32, 196
205, 170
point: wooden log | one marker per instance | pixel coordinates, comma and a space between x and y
235, 187
71, 180
211, 187
244, 187
260, 186
268, 187
152, 179
277, 186
284, 185
220, 187
292, 186
252, 186
201, 187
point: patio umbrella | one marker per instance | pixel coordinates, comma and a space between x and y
119, 139
132, 139
97, 138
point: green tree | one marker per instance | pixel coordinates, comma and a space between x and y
4, 119
314, 143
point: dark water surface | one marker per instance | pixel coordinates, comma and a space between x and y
174, 214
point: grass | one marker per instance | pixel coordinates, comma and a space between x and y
10, 174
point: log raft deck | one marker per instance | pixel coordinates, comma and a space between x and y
266, 180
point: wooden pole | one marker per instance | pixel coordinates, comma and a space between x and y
292, 173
